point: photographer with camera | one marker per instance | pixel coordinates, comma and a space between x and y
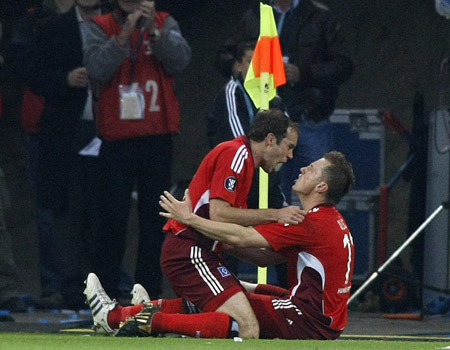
133, 53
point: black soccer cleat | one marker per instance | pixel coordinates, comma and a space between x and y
140, 325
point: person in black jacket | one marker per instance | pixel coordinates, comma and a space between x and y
65, 181
316, 64
232, 110
9, 296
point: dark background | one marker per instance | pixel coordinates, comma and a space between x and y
396, 47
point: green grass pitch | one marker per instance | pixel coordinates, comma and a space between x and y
32, 341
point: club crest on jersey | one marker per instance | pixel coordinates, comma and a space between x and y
224, 271
230, 183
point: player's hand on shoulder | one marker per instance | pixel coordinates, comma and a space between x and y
291, 215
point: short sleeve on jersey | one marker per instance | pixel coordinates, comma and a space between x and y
232, 176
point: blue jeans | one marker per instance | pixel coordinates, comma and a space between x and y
314, 141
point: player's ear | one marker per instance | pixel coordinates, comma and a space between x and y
322, 187
271, 139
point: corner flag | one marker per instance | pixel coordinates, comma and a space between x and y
266, 71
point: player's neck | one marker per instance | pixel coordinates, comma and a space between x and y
310, 201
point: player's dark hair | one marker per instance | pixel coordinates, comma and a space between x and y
270, 121
339, 176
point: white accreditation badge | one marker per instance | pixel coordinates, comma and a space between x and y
132, 102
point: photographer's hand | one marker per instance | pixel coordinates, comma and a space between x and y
129, 27
149, 13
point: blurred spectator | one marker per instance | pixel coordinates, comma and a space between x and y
134, 52
233, 110
316, 64
59, 119
67, 164
9, 297
22, 60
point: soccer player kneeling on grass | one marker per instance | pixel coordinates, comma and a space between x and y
319, 252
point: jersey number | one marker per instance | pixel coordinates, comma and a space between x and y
348, 242
152, 87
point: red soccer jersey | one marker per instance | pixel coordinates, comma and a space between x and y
226, 173
320, 256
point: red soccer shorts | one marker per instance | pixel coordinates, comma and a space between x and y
281, 317
196, 273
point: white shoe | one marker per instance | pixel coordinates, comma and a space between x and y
99, 302
139, 295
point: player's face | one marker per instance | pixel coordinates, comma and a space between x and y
281, 152
310, 176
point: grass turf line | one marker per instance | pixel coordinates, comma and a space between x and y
32, 341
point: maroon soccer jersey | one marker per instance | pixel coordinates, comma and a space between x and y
320, 255
225, 173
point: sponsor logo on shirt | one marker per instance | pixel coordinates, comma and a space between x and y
342, 224
224, 271
344, 290
230, 183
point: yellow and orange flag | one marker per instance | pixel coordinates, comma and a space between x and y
265, 74
266, 71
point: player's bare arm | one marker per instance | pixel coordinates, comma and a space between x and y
232, 234
220, 210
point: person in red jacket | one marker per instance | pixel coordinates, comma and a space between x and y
134, 52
